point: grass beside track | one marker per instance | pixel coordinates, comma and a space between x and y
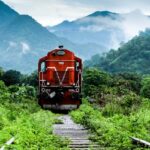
115, 130
23, 119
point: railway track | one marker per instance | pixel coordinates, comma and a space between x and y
77, 134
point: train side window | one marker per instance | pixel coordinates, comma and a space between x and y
43, 67
77, 66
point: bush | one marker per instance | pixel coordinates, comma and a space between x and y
145, 90
95, 82
115, 130
35, 132
11, 77
22, 118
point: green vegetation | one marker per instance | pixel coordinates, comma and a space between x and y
145, 90
117, 106
120, 109
13, 77
23, 119
132, 56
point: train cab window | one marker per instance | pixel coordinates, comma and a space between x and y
61, 53
77, 66
43, 67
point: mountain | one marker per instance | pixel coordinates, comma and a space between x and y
103, 28
97, 28
6, 14
132, 56
109, 14
23, 41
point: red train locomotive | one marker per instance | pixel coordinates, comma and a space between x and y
60, 74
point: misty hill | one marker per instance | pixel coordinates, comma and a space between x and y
104, 14
95, 28
23, 41
6, 14
104, 28
133, 56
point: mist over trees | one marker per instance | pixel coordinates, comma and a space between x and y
132, 56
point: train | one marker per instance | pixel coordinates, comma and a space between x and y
60, 80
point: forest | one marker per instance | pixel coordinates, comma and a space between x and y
114, 108
132, 56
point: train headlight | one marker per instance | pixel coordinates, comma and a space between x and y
47, 83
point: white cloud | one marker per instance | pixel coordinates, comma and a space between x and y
25, 47
12, 44
130, 23
50, 12
99, 23
93, 28
134, 22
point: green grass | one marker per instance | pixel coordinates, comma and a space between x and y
115, 129
23, 119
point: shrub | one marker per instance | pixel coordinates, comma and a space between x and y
11, 77
22, 118
145, 90
115, 130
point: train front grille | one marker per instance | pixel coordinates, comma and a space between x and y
61, 76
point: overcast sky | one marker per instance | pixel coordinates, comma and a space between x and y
51, 12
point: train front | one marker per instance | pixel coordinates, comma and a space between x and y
60, 74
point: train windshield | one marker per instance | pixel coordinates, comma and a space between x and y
61, 53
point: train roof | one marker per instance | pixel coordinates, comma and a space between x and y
59, 49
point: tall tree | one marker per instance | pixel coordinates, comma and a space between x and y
11, 77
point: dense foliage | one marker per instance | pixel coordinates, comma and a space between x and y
132, 56
24, 120
114, 131
13, 77
118, 108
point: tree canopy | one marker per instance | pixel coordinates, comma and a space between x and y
132, 56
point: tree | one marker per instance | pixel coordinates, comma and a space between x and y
95, 77
11, 77
31, 79
95, 81
145, 90
1, 72
132, 56
130, 81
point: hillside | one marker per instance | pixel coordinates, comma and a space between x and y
6, 14
104, 28
23, 41
132, 56
96, 28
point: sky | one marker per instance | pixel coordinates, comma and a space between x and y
52, 12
